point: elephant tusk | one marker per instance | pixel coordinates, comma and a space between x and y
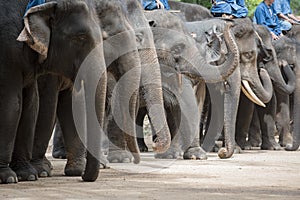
250, 94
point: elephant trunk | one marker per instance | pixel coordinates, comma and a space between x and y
216, 73
279, 82
152, 93
231, 102
296, 114
89, 94
259, 92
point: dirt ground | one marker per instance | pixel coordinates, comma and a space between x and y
253, 174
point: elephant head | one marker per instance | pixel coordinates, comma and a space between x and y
268, 58
246, 39
67, 38
177, 48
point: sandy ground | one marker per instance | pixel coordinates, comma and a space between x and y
253, 174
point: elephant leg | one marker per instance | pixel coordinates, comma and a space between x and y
11, 108
117, 146
254, 135
244, 116
283, 120
75, 150
22, 153
173, 120
58, 150
194, 151
48, 94
267, 124
139, 129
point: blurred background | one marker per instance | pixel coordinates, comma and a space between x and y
251, 5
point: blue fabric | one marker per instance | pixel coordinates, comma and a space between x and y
231, 7
222, 7
34, 3
239, 9
283, 6
151, 4
262, 15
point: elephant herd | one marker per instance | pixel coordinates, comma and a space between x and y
98, 67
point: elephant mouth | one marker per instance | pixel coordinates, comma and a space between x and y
250, 94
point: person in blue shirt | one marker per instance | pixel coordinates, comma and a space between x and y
33, 3
229, 8
155, 4
265, 15
285, 15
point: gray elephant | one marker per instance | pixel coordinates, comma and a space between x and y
175, 43
267, 59
150, 77
120, 61
57, 37
247, 74
150, 90
294, 34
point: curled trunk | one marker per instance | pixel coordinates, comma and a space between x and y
216, 73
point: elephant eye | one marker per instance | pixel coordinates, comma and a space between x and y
79, 38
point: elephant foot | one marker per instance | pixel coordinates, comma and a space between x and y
171, 153
242, 143
59, 152
285, 140
7, 176
195, 153
24, 170
270, 145
237, 150
254, 143
43, 167
119, 156
142, 145
75, 167
103, 161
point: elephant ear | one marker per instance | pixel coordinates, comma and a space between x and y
36, 33
267, 51
214, 47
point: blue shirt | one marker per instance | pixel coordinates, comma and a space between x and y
236, 8
34, 3
151, 4
283, 6
266, 15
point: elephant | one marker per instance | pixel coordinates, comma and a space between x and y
149, 90
247, 72
115, 26
50, 31
188, 126
267, 59
245, 38
291, 57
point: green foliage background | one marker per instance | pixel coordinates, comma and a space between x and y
251, 5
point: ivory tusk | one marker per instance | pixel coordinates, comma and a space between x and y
250, 94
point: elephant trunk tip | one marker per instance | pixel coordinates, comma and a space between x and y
224, 153
292, 147
161, 144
